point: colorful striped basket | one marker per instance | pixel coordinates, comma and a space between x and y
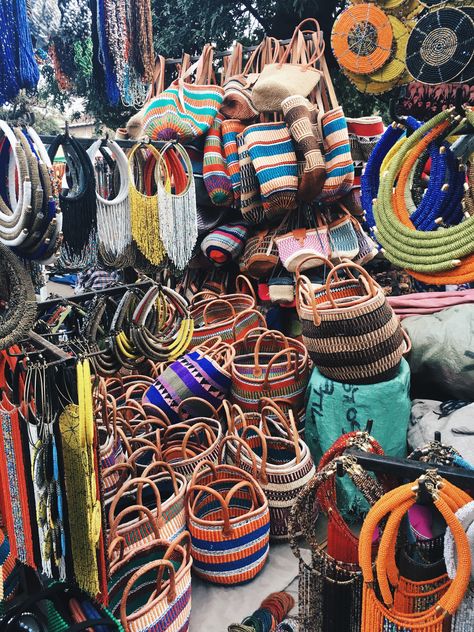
160, 491
276, 367
158, 595
201, 373
230, 129
351, 332
216, 173
273, 156
229, 522
189, 443
282, 465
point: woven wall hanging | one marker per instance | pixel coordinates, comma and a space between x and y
440, 46
362, 38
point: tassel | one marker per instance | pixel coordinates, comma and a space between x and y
28, 71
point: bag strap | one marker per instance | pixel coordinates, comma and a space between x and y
210, 435
233, 63
157, 85
297, 49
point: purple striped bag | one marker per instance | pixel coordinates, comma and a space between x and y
215, 171
230, 129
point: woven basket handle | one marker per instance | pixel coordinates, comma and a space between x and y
233, 63
129, 411
369, 286
134, 579
263, 463
274, 335
183, 537
152, 422
123, 468
149, 447
289, 353
242, 444
241, 315
242, 485
227, 530
202, 402
162, 465
256, 331
137, 387
313, 258
137, 483
407, 341
154, 412
204, 296
288, 425
294, 46
198, 471
192, 431
244, 286
144, 511
218, 301
304, 293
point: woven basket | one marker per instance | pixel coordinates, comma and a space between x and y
187, 444
277, 367
350, 330
260, 256
161, 493
159, 594
282, 466
202, 373
229, 522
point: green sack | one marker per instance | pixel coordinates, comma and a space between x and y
334, 408
442, 355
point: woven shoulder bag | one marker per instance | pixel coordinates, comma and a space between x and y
229, 522
158, 595
185, 111
351, 332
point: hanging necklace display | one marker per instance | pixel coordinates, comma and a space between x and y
17, 290
78, 202
178, 212
144, 207
15, 207
113, 215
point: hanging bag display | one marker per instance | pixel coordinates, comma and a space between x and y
185, 111
229, 523
281, 80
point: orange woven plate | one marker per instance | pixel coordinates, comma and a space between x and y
362, 39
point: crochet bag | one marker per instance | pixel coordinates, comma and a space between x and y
201, 373
229, 523
273, 156
185, 111
336, 144
273, 366
351, 332
283, 466
158, 595
343, 242
301, 243
215, 169
281, 80
225, 243
260, 256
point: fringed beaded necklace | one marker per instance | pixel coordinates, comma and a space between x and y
144, 208
178, 211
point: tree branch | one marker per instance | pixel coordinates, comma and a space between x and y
253, 11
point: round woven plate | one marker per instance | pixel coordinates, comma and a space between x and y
440, 46
396, 66
468, 73
362, 39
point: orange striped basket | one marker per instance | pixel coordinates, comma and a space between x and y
229, 522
